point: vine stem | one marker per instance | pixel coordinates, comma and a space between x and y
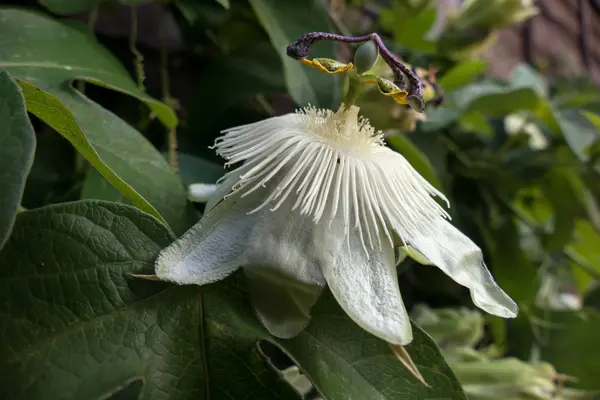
165, 83
139, 57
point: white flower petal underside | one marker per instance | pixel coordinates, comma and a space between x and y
460, 259
211, 249
367, 289
231, 235
282, 304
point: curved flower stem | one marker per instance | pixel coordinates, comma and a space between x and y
353, 92
299, 50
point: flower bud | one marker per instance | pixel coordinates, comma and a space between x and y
510, 378
450, 327
365, 57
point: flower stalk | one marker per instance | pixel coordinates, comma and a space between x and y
404, 77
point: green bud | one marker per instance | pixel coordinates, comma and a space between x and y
510, 378
365, 57
450, 327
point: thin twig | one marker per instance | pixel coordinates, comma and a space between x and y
165, 83
139, 57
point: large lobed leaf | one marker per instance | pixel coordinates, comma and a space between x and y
46, 56
17, 145
74, 324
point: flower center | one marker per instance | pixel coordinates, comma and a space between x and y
343, 130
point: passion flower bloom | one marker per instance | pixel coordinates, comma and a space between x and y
320, 200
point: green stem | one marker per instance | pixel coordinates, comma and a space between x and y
353, 92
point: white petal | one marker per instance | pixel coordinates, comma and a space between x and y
367, 289
230, 235
282, 304
211, 249
461, 259
290, 243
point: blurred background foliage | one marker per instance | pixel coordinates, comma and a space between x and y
519, 158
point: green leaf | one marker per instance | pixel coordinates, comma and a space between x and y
410, 28
284, 23
569, 340
583, 249
523, 75
341, 359
562, 193
17, 146
513, 271
525, 91
198, 170
224, 3
104, 139
346, 363
76, 325
79, 6
593, 150
50, 55
579, 132
241, 75
192, 169
495, 100
462, 74
415, 157
108, 144
95, 186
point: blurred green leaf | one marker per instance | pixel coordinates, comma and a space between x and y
525, 91
17, 147
415, 157
77, 325
579, 132
476, 122
569, 340
79, 6
562, 193
410, 27
570, 92
583, 249
113, 147
494, 99
194, 169
524, 75
511, 268
284, 23
224, 3
462, 74
593, 150
242, 75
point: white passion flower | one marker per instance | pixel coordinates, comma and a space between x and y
320, 200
